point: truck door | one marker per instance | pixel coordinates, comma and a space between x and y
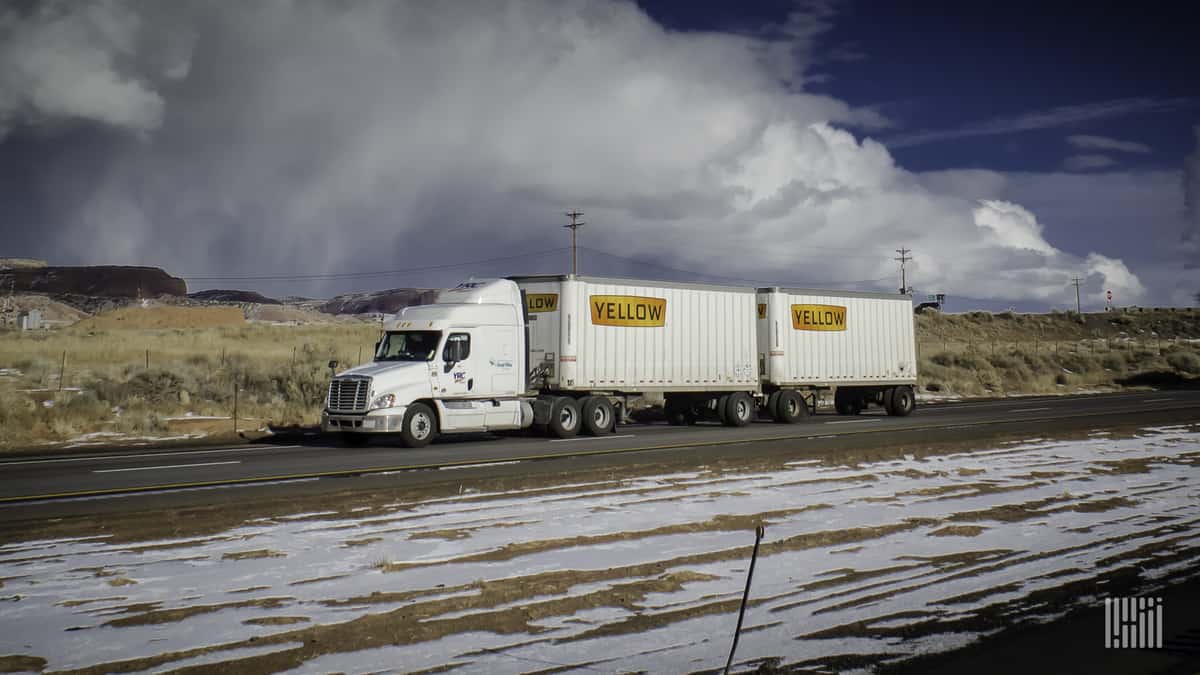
460, 379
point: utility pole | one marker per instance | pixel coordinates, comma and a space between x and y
1077, 281
904, 257
574, 226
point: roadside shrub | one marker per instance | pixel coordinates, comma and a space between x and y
1184, 362
1062, 379
1113, 361
933, 386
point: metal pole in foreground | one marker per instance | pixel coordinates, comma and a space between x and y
574, 227
758, 535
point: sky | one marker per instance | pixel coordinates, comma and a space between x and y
312, 148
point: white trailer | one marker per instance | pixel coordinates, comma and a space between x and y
861, 345
694, 343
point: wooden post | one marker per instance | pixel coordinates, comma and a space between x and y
147, 359
293, 355
62, 368
359, 361
235, 405
222, 357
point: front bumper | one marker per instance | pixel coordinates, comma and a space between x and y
385, 421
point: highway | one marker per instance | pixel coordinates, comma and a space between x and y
142, 470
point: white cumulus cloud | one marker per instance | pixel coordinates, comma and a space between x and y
293, 137
1086, 142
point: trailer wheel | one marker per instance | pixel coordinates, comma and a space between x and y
354, 440
773, 405
791, 407
564, 417
722, 408
419, 427
599, 418
739, 410
900, 401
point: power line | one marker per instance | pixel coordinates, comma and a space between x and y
362, 275
1077, 281
757, 282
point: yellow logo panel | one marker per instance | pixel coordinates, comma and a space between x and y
762, 310
628, 310
541, 302
818, 317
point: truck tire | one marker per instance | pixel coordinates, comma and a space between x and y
354, 440
791, 408
900, 401
773, 405
564, 417
722, 408
739, 409
599, 417
419, 426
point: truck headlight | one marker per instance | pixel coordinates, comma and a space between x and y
385, 401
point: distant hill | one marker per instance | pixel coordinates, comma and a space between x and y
221, 295
20, 263
108, 281
377, 302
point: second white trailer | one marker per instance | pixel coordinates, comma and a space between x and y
861, 345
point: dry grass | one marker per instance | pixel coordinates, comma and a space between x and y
281, 373
282, 376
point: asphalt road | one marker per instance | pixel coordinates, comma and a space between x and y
144, 470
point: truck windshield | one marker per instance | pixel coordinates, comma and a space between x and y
413, 345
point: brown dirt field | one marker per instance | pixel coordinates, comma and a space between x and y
164, 316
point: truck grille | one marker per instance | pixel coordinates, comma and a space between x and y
349, 394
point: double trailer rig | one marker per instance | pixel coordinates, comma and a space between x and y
570, 353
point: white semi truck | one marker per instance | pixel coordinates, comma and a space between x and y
568, 353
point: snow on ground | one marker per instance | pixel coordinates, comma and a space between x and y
889, 554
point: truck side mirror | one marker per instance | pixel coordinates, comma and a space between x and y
448, 367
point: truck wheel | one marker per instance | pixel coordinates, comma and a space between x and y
900, 401
773, 406
419, 427
599, 418
792, 408
564, 417
354, 440
722, 408
739, 410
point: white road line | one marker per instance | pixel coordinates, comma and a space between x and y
1028, 409
168, 466
1156, 400
93, 458
590, 438
867, 419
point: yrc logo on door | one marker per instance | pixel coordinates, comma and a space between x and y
541, 302
818, 317
628, 310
